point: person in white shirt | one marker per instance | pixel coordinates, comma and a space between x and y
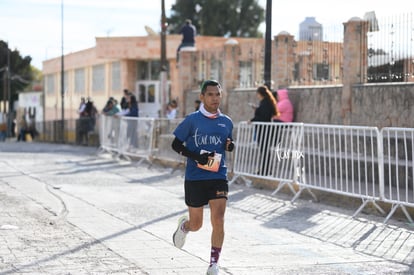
172, 109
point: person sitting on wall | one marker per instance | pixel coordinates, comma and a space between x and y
189, 32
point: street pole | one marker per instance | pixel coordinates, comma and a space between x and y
5, 89
268, 45
62, 81
163, 72
9, 95
4, 99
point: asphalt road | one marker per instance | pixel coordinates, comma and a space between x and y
68, 210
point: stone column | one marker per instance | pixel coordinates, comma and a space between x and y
187, 72
283, 59
355, 62
230, 69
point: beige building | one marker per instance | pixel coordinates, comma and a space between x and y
133, 63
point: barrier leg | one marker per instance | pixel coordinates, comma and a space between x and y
233, 180
312, 194
393, 209
247, 182
365, 202
122, 156
281, 185
404, 209
378, 208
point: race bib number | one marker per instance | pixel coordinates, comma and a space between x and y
213, 163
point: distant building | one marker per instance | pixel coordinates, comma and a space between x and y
310, 30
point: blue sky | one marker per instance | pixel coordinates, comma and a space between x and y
34, 26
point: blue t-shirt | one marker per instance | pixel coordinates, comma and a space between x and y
188, 32
202, 133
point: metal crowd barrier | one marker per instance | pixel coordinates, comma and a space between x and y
398, 169
164, 137
268, 150
356, 161
136, 138
143, 138
109, 133
342, 160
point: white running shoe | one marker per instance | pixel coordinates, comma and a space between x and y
179, 235
213, 270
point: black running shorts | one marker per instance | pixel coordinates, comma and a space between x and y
198, 193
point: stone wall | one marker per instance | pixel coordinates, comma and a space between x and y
382, 105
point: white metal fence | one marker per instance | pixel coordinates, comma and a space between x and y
142, 138
356, 161
127, 136
269, 151
342, 160
398, 169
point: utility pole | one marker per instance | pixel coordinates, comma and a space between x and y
163, 38
268, 45
62, 81
163, 73
5, 86
9, 95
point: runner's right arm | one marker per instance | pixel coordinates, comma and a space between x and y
179, 147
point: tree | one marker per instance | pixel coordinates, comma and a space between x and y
237, 18
20, 72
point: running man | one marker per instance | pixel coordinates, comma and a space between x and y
207, 134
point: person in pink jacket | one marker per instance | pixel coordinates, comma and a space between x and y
284, 107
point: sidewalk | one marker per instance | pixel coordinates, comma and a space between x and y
66, 210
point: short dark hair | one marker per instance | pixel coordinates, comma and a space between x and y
209, 83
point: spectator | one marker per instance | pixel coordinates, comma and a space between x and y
31, 128
3, 126
86, 122
284, 107
172, 109
91, 112
13, 127
131, 111
22, 129
264, 113
124, 100
110, 108
189, 32
82, 106
197, 103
